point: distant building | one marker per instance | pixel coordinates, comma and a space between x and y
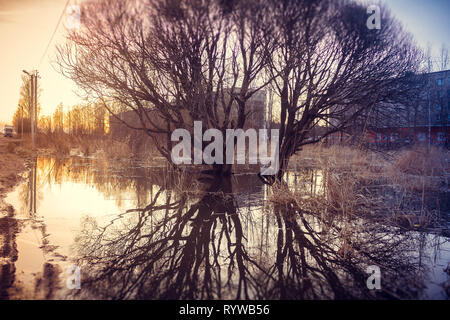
423, 119
257, 106
256, 118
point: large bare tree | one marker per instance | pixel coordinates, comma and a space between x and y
171, 62
174, 62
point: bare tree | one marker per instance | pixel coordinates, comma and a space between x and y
174, 62
24, 108
444, 58
171, 62
329, 67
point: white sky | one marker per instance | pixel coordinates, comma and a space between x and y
27, 25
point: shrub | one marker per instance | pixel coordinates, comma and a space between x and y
422, 161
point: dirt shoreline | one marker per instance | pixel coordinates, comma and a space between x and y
12, 165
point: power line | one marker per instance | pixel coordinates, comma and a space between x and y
54, 32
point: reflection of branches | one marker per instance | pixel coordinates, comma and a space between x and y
170, 249
116, 182
319, 257
47, 282
178, 248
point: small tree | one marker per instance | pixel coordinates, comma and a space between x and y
24, 106
58, 119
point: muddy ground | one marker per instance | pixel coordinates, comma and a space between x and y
12, 164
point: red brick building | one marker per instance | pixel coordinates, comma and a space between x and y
424, 119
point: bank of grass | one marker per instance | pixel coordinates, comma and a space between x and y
395, 186
104, 146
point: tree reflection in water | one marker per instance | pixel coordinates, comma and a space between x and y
182, 246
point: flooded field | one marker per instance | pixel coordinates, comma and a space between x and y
143, 232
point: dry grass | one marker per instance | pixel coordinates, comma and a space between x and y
123, 149
58, 143
342, 196
362, 183
431, 161
335, 156
110, 149
11, 147
419, 169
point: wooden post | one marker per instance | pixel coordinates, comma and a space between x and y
32, 110
21, 135
35, 103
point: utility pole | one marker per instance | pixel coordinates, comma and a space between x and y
33, 105
32, 111
35, 102
21, 135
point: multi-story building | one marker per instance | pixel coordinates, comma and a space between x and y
422, 117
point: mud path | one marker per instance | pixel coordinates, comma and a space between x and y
12, 165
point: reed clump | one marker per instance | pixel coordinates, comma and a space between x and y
423, 161
395, 187
105, 146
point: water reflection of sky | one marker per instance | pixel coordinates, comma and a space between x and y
234, 230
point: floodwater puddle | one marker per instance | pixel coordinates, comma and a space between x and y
143, 232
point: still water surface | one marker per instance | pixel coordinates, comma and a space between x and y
141, 232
